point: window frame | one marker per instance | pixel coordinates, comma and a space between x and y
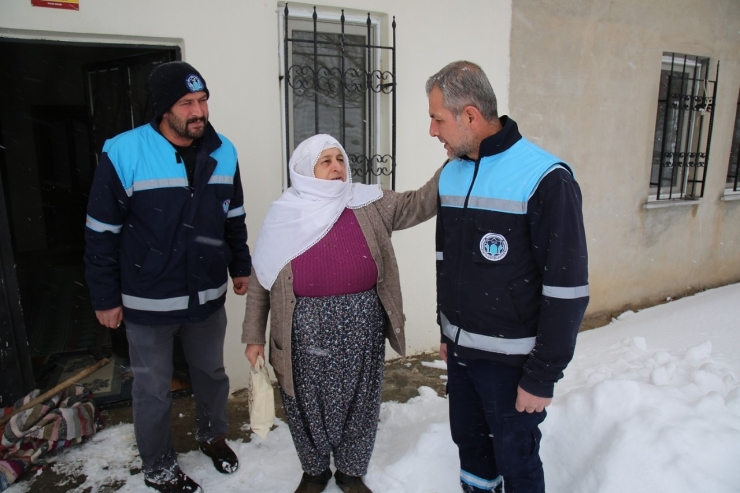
732, 188
690, 145
382, 128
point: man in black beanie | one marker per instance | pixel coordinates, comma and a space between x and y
165, 225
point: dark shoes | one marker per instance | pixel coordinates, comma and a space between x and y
171, 481
350, 484
224, 459
314, 484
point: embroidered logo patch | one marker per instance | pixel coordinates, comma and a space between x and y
226, 206
493, 246
194, 83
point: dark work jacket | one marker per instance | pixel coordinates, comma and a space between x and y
512, 266
155, 244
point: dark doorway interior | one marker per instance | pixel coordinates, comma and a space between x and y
61, 102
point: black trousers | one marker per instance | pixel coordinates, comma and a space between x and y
496, 442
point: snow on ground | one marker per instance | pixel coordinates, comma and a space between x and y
650, 403
438, 363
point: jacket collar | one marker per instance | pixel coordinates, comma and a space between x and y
501, 140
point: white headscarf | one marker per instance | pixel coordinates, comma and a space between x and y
307, 210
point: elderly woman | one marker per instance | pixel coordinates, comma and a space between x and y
324, 266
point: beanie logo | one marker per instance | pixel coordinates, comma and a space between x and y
194, 83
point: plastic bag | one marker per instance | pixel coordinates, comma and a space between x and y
261, 399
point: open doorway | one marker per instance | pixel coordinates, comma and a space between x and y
61, 102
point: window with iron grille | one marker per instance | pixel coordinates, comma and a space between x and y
338, 79
683, 127
733, 170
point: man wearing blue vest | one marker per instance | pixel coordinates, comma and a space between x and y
512, 280
165, 224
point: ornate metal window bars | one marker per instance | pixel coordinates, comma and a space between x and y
683, 127
733, 169
334, 83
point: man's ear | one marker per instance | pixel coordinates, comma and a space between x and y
471, 115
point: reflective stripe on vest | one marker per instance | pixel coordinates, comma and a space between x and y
486, 343
171, 304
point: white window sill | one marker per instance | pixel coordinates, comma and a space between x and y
658, 204
730, 196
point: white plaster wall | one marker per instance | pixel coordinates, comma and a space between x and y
584, 84
234, 44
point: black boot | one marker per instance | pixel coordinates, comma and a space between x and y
224, 459
171, 481
351, 484
314, 484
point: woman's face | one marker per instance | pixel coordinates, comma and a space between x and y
330, 166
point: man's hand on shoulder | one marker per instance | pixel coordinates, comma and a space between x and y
526, 402
110, 318
240, 285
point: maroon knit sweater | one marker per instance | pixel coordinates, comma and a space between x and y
340, 263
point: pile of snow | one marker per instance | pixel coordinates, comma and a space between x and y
650, 403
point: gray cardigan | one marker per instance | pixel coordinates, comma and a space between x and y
377, 220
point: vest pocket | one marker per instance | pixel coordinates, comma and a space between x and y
491, 309
151, 267
219, 257
526, 296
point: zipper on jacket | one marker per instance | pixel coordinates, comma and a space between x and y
461, 231
180, 160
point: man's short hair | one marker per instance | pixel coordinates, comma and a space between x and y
464, 84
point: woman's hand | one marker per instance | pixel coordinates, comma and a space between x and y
254, 350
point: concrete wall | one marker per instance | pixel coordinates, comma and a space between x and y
234, 44
584, 85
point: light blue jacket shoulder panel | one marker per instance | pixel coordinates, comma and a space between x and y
227, 158
502, 183
145, 160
